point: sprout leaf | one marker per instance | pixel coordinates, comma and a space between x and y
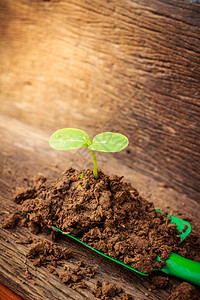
109, 142
69, 139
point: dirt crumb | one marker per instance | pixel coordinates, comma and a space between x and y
23, 222
106, 290
73, 278
109, 289
11, 221
185, 291
159, 282
34, 227
52, 270
28, 274
125, 296
45, 253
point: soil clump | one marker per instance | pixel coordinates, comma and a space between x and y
159, 282
185, 291
106, 290
45, 253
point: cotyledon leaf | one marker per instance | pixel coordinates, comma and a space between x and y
109, 142
69, 139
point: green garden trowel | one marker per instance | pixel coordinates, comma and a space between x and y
176, 265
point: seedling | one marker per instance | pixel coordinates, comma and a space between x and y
72, 138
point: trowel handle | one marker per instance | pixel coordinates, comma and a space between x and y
183, 268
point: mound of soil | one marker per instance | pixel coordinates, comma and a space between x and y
107, 213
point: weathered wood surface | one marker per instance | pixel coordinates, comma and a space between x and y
132, 66
26, 153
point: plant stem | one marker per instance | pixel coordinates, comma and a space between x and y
94, 164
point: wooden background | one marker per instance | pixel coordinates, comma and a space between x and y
131, 66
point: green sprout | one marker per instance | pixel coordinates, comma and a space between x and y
72, 138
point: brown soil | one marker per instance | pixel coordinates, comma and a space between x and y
185, 291
49, 255
107, 213
159, 282
45, 253
190, 248
105, 290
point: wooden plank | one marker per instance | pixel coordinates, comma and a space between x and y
26, 153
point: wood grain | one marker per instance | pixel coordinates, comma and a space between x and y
25, 154
132, 66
